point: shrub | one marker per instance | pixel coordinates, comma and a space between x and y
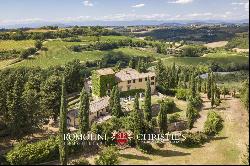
26, 53
81, 161
44, 48
108, 156
195, 101
174, 118
38, 44
145, 148
182, 94
213, 123
3, 160
171, 105
193, 139
33, 153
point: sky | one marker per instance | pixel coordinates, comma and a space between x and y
63, 11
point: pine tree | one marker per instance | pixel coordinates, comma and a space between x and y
63, 148
162, 118
30, 99
137, 118
50, 96
15, 107
147, 103
84, 112
116, 109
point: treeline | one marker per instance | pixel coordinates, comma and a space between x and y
30, 96
64, 33
204, 34
193, 51
239, 41
108, 45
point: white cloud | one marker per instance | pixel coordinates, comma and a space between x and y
133, 16
244, 4
199, 14
23, 20
139, 5
88, 3
181, 1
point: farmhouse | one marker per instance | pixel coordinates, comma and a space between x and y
98, 110
127, 79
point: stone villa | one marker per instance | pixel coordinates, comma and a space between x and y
101, 84
127, 79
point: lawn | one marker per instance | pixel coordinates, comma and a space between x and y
17, 45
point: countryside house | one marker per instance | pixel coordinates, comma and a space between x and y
127, 80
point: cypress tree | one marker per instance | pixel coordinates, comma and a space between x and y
224, 91
162, 118
209, 86
84, 112
217, 96
63, 148
137, 118
199, 82
190, 115
193, 87
131, 64
116, 109
212, 91
147, 103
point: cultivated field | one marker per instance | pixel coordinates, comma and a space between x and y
222, 58
17, 45
216, 44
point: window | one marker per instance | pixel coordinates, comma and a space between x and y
140, 80
146, 79
152, 83
133, 81
129, 81
152, 78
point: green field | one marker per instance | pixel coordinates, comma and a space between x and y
222, 58
58, 54
137, 52
17, 45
